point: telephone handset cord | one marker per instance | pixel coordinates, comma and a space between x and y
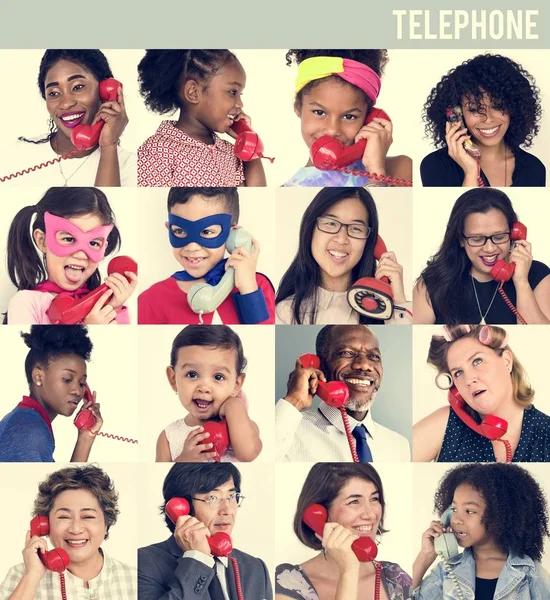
510, 305
238, 584
508, 449
39, 166
449, 570
114, 437
391, 181
63, 588
377, 578
349, 434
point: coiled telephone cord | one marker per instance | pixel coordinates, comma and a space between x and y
349, 435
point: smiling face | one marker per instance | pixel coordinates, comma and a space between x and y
72, 271
466, 521
354, 357
204, 378
337, 254
483, 258
333, 108
357, 507
60, 385
486, 124
72, 95
77, 525
195, 259
220, 518
481, 376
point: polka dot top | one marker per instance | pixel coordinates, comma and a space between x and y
462, 444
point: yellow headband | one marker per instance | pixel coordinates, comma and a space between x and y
317, 67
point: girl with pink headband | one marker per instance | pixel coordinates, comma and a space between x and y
55, 247
335, 91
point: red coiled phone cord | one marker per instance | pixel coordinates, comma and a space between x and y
510, 305
36, 167
349, 435
480, 181
377, 578
63, 588
508, 450
237, 577
392, 181
115, 437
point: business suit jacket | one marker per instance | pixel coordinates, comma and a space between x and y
164, 574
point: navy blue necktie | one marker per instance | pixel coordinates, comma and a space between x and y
361, 445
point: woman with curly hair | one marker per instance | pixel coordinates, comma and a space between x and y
457, 286
68, 81
205, 86
500, 104
55, 368
353, 496
335, 91
477, 364
80, 505
499, 517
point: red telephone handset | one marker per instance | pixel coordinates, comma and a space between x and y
334, 393
248, 145
219, 437
66, 310
84, 137
329, 154
503, 271
315, 517
54, 560
373, 297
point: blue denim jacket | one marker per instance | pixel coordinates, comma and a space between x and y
520, 579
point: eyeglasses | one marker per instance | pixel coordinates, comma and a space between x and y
355, 230
480, 240
215, 502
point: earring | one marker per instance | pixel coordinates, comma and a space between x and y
38, 382
444, 381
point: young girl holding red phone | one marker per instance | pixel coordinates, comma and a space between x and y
206, 87
332, 256
69, 83
55, 368
72, 231
457, 285
335, 91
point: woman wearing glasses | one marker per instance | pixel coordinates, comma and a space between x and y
338, 234
457, 287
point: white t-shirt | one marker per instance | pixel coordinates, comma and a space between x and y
79, 172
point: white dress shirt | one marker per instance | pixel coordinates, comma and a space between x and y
220, 563
318, 435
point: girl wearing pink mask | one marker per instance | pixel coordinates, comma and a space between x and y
72, 231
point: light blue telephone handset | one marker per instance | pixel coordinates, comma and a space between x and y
446, 547
204, 298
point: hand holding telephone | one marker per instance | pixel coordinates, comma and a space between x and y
204, 298
334, 393
65, 310
219, 437
446, 545
454, 115
373, 297
315, 517
503, 271
54, 560
85, 137
248, 145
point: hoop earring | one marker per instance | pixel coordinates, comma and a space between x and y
444, 381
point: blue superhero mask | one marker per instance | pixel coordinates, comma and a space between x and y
193, 230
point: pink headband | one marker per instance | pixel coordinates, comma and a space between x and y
485, 335
56, 224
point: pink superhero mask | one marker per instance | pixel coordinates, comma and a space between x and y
82, 241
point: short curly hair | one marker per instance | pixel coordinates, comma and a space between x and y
90, 478
49, 342
375, 59
509, 86
517, 513
162, 73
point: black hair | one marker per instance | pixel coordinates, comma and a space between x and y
214, 336
184, 480
375, 59
516, 517
229, 196
447, 274
509, 86
162, 74
303, 276
48, 343
25, 268
93, 61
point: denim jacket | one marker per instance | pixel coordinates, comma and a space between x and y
520, 579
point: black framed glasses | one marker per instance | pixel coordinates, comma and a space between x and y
480, 240
359, 231
215, 501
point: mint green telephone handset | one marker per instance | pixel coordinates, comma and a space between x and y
204, 298
446, 547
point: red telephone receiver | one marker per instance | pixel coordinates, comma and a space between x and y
373, 297
329, 154
66, 310
315, 517
248, 145
84, 137
54, 560
219, 437
334, 393
503, 271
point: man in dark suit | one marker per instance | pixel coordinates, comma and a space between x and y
183, 566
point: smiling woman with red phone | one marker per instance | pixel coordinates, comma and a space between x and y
55, 368
87, 118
